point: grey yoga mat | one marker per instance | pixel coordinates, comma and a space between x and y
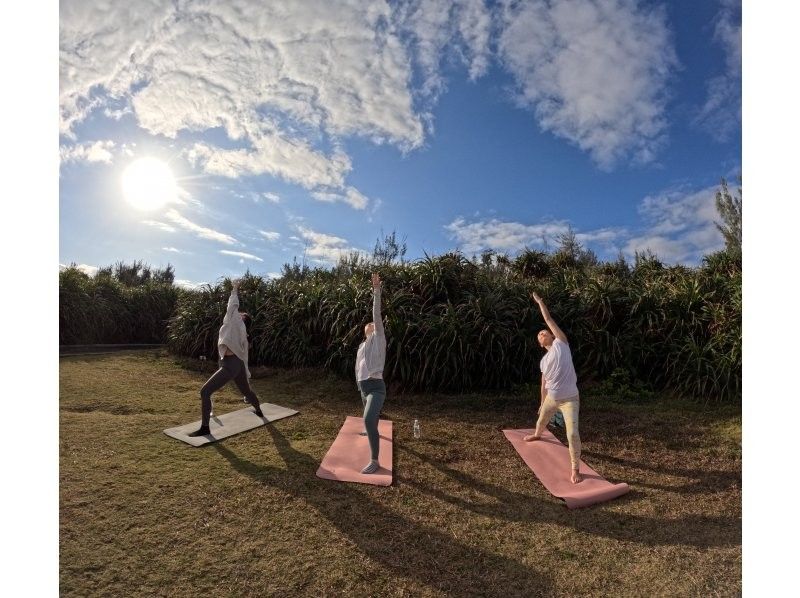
229, 424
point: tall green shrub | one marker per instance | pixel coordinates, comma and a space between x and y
103, 310
458, 325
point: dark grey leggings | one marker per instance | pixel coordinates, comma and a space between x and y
373, 393
231, 368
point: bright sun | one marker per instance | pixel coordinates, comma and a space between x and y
148, 184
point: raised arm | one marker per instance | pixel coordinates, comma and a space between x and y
548, 319
233, 302
376, 304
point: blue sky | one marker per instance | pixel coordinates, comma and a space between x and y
306, 129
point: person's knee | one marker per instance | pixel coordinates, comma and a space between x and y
205, 393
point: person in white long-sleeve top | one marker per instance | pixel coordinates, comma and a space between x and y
233, 346
370, 360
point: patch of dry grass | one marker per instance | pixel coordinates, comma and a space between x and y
143, 514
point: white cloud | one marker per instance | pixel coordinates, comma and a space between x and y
594, 71
118, 114
474, 27
200, 231
674, 211
293, 160
327, 196
161, 225
721, 114
241, 254
183, 197
96, 45
270, 235
271, 197
462, 27
680, 226
352, 197
176, 250
188, 284
284, 80
287, 82
728, 32
99, 151
356, 199
321, 247
604, 235
503, 236
85, 268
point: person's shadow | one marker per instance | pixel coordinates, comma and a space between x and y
702, 481
694, 530
408, 548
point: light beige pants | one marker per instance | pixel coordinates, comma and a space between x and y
569, 409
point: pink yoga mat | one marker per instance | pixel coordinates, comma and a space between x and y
549, 460
349, 453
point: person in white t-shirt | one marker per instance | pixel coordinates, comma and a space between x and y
559, 391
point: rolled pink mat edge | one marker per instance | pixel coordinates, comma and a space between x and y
615, 491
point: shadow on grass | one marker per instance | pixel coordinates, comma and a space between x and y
695, 530
424, 554
702, 481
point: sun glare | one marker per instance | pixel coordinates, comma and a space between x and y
148, 184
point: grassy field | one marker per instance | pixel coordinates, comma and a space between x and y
143, 514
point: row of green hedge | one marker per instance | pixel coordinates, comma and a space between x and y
457, 325
103, 310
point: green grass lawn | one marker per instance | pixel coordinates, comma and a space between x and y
144, 514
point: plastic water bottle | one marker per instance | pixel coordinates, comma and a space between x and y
416, 428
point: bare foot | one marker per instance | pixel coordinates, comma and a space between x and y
531, 438
576, 476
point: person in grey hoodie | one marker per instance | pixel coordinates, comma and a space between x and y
370, 360
232, 345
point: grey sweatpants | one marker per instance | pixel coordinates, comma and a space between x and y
230, 368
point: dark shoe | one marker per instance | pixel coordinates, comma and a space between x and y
256, 405
203, 431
